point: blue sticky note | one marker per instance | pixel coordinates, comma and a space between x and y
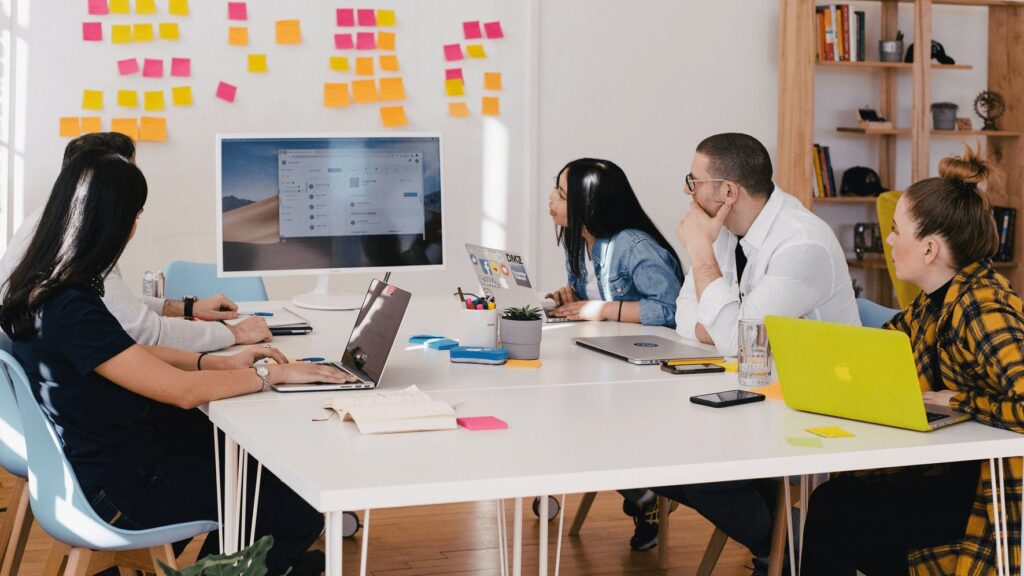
423, 338
442, 344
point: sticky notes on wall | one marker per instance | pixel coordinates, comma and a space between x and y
392, 90
471, 30
288, 32
238, 36
91, 124
226, 91
142, 32
70, 127
366, 41
153, 68
152, 129
92, 99
345, 17
493, 30
343, 42
128, 66
120, 33
178, 7
367, 17
92, 31
454, 87
453, 73
491, 106
492, 80
365, 91
458, 109
181, 67
339, 63
257, 63
98, 7
169, 31
476, 51
238, 11
153, 101
120, 7
385, 40
385, 17
336, 95
145, 6
389, 63
128, 98
452, 52
181, 95
364, 66
393, 116
127, 126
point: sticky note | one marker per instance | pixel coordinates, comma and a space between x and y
458, 109
154, 101
345, 17
477, 423
476, 51
773, 390
366, 41
181, 95
805, 442
98, 7
178, 7
92, 99
226, 91
393, 117
830, 432
389, 63
492, 80
288, 32
385, 17
181, 67
364, 91
257, 63
142, 32
238, 11
153, 68
120, 33
169, 31
523, 364
392, 90
343, 42
336, 95
732, 366
91, 124
128, 98
127, 126
339, 63
452, 52
92, 31
70, 127
493, 30
454, 87
120, 7
364, 66
471, 30
145, 6
238, 36
367, 17
453, 73
423, 338
153, 129
491, 106
385, 40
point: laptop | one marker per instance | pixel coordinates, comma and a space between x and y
865, 374
366, 353
643, 349
503, 274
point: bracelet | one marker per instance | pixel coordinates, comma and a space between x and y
619, 319
199, 361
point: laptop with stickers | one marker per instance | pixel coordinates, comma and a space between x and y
503, 274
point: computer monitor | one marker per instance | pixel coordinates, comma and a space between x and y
328, 203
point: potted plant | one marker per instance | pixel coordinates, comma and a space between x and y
521, 332
944, 115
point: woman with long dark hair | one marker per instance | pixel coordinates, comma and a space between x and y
620, 267
124, 411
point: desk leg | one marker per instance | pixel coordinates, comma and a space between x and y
365, 556
542, 548
220, 500
517, 538
332, 542
230, 484
994, 484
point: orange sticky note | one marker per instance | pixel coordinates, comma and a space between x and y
120, 7
70, 127
127, 126
476, 51
340, 63
91, 124
181, 95
389, 63
257, 63
92, 99
127, 98
169, 31
153, 129
336, 95
492, 80
385, 40
458, 109
393, 116
145, 6
491, 106
365, 91
238, 36
154, 101
454, 87
385, 17
142, 32
178, 7
121, 33
288, 32
364, 66
392, 90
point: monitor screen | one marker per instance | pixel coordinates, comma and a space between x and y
317, 203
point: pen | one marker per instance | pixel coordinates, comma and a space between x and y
462, 297
311, 359
266, 314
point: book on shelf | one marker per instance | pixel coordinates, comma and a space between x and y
1005, 222
824, 178
840, 32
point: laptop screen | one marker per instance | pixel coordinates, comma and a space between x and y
376, 329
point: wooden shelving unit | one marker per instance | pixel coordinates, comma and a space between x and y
937, 133
898, 65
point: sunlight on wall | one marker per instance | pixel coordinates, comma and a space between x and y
494, 200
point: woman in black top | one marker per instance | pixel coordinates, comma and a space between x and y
124, 411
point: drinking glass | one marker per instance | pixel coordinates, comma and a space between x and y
755, 354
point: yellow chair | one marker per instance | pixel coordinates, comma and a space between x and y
886, 206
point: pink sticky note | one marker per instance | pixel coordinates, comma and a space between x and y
128, 66
238, 11
367, 17
453, 73
92, 31
493, 30
472, 30
477, 423
153, 68
181, 66
366, 41
343, 42
226, 91
452, 52
346, 17
98, 7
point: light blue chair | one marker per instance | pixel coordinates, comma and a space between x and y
61, 508
200, 279
874, 315
13, 458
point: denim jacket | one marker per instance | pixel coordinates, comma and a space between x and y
633, 267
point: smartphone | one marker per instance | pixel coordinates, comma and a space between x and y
727, 398
692, 368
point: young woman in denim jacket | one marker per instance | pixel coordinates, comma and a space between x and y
637, 276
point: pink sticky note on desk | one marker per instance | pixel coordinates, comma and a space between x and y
226, 91
472, 30
367, 17
493, 30
181, 67
128, 66
366, 41
343, 42
452, 52
92, 31
346, 17
453, 74
477, 423
238, 11
153, 68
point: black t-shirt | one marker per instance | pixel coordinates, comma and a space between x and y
106, 429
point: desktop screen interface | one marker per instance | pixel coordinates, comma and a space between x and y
330, 203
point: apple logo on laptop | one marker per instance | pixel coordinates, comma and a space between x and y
843, 373
645, 344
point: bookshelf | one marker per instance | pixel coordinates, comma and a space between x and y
1005, 67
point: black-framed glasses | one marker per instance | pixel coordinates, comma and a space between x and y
691, 182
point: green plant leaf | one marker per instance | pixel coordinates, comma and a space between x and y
250, 561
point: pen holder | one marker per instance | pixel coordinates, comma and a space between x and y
478, 328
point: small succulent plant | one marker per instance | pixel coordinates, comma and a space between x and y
524, 313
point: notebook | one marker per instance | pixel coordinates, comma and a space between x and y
386, 412
281, 321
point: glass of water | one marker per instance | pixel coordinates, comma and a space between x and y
755, 354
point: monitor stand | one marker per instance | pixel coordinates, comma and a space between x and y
322, 299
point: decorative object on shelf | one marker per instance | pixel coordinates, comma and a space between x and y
891, 50
938, 53
521, 331
860, 181
964, 124
867, 237
944, 115
1006, 219
868, 119
989, 106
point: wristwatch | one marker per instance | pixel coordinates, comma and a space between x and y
189, 301
264, 373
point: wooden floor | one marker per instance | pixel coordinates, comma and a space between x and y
462, 539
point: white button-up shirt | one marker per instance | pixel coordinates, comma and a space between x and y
795, 267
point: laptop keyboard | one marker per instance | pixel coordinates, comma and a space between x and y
932, 417
342, 368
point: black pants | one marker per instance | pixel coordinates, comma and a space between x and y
857, 524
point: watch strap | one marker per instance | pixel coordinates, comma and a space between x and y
189, 302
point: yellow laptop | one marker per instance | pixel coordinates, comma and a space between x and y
864, 374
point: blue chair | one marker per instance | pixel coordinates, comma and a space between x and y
13, 458
874, 315
62, 510
199, 279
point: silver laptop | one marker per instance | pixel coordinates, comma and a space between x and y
503, 274
645, 349
369, 345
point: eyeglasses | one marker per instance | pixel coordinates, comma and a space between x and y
691, 182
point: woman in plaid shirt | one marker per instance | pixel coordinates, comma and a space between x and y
967, 332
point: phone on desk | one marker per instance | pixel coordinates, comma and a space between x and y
702, 368
727, 398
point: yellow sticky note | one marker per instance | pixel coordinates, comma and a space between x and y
91, 124
476, 51
120, 7
142, 32
288, 32
364, 66
145, 6
257, 62
454, 87
181, 95
169, 31
385, 17
340, 63
70, 127
365, 91
336, 95
389, 63
154, 101
393, 116
127, 126
120, 33
492, 80
392, 90
458, 109
92, 99
238, 36
385, 40
523, 364
830, 432
491, 106
153, 129
127, 98
178, 7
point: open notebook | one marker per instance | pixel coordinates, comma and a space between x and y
384, 412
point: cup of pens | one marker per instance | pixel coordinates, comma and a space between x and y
478, 321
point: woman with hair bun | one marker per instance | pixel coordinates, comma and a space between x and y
966, 330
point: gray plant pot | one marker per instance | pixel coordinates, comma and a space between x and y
521, 338
944, 116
